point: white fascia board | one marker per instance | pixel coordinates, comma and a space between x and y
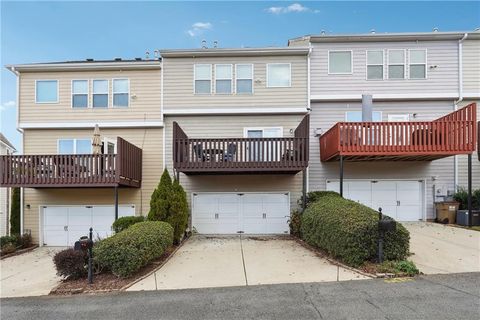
82, 125
471, 95
246, 111
394, 96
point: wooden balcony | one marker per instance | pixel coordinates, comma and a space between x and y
123, 169
452, 134
241, 155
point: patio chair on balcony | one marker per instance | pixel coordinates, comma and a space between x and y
199, 153
231, 151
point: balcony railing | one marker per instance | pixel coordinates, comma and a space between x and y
75, 170
241, 155
452, 134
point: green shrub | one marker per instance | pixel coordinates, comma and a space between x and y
159, 202
124, 222
407, 267
295, 223
71, 263
178, 212
349, 231
24, 240
314, 196
15, 212
126, 252
461, 196
8, 240
8, 248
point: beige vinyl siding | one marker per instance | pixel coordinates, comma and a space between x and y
45, 142
471, 67
179, 84
463, 160
231, 127
325, 115
442, 79
144, 84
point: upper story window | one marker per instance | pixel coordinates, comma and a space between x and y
74, 146
375, 65
121, 92
223, 78
356, 116
278, 75
396, 64
339, 62
417, 64
100, 94
203, 78
46, 91
244, 78
79, 93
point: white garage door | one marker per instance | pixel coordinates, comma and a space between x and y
401, 200
63, 225
250, 213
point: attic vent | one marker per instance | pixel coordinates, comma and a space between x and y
118, 59
89, 59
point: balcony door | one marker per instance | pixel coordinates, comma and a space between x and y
262, 150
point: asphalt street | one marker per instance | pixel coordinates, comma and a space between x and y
454, 296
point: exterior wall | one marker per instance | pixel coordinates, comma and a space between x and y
233, 127
179, 84
325, 115
45, 142
441, 80
4, 202
144, 84
471, 67
463, 159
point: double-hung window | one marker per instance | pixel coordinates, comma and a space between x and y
375, 65
244, 78
79, 93
100, 94
74, 146
339, 62
223, 78
396, 64
417, 64
278, 75
203, 78
121, 92
46, 91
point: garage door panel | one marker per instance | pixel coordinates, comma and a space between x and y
55, 220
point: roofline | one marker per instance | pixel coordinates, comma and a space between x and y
7, 144
87, 65
232, 52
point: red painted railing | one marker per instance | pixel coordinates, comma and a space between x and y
452, 134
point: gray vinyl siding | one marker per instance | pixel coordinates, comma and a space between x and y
462, 160
179, 84
442, 79
324, 115
471, 68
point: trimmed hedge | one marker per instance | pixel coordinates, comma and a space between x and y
126, 252
71, 263
349, 231
124, 222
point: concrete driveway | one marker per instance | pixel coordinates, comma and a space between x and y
440, 248
239, 261
29, 274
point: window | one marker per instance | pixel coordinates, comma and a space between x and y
396, 64
100, 94
223, 78
79, 93
74, 146
46, 91
339, 62
203, 78
418, 64
278, 75
375, 65
244, 78
121, 92
356, 116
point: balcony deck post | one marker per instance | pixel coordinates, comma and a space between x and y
116, 203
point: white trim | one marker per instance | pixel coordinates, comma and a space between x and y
404, 115
88, 65
220, 79
339, 73
72, 93
367, 64
417, 64
471, 95
404, 64
77, 125
161, 94
108, 94
246, 129
289, 77
113, 93
251, 79
106, 141
394, 96
195, 78
187, 111
58, 91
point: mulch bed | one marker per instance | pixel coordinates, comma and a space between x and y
18, 252
106, 282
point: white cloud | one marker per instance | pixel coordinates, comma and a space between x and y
294, 7
199, 28
8, 104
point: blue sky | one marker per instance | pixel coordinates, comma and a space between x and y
57, 31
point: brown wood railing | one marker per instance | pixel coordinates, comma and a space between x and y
250, 155
452, 134
74, 170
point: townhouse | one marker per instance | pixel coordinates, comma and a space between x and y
6, 148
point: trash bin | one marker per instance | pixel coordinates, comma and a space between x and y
446, 211
462, 217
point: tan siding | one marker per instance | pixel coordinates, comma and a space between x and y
325, 115
442, 79
144, 84
230, 127
45, 142
471, 67
179, 84
463, 162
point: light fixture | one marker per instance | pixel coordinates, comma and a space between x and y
317, 132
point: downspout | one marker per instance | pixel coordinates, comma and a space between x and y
309, 109
161, 113
460, 99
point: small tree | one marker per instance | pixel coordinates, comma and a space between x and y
178, 213
159, 205
15, 212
